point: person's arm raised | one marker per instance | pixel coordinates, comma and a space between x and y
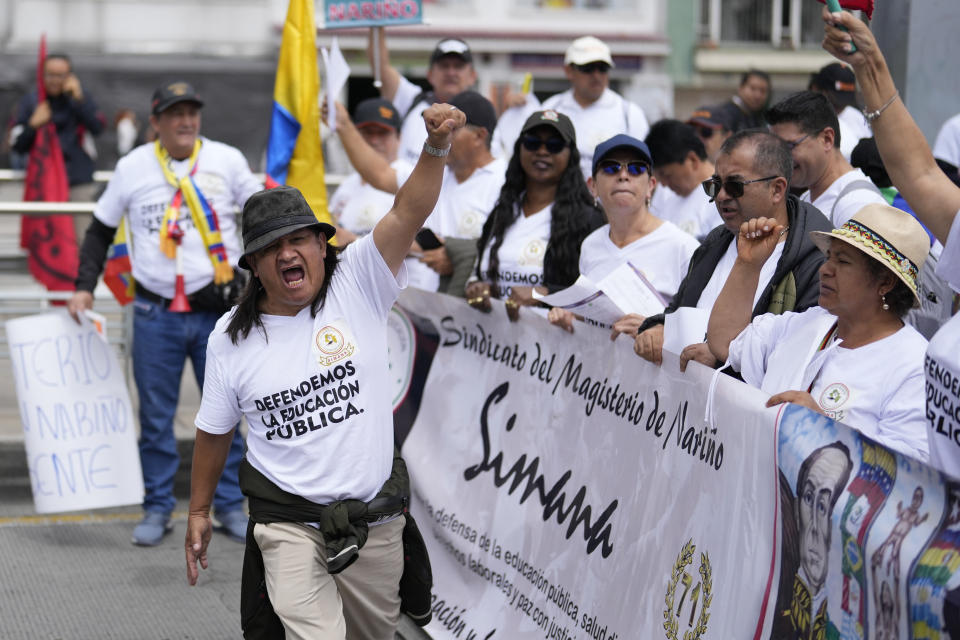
389, 76
733, 309
416, 199
372, 167
903, 147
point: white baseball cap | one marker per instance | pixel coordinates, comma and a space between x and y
586, 50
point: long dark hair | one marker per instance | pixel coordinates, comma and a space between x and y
246, 316
573, 217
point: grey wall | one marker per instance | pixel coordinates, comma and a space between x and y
921, 42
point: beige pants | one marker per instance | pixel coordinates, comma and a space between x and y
360, 603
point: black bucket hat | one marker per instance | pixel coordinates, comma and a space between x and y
273, 213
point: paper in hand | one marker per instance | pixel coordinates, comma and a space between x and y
338, 72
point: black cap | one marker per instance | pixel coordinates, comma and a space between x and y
834, 77
620, 141
452, 47
273, 213
376, 111
721, 116
550, 118
479, 110
172, 93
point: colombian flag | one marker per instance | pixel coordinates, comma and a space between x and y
294, 154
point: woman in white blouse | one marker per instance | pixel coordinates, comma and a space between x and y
852, 358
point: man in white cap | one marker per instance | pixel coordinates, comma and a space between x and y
598, 113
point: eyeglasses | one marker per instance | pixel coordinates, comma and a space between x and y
533, 143
793, 144
602, 67
612, 167
734, 188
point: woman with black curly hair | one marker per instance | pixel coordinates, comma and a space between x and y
532, 237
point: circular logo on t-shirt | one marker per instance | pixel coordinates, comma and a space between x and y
470, 224
330, 340
834, 396
533, 252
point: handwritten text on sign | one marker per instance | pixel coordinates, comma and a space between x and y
79, 431
367, 13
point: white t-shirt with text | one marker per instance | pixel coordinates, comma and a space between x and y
521, 254
139, 190
942, 368
312, 389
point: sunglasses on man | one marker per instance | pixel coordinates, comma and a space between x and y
734, 188
705, 132
613, 168
590, 67
533, 144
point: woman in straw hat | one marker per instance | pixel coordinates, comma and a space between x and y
852, 358
932, 196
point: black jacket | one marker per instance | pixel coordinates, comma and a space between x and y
71, 118
801, 259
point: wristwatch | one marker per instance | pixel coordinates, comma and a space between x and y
437, 153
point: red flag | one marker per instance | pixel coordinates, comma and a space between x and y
856, 5
50, 240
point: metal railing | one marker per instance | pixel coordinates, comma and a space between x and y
790, 24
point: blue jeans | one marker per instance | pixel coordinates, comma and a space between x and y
162, 341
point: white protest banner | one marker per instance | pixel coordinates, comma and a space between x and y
80, 435
567, 489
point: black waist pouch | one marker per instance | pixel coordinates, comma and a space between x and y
417, 579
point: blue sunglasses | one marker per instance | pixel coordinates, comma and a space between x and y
612, 167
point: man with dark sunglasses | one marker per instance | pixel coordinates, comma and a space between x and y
713, 125
751, 179
598, 113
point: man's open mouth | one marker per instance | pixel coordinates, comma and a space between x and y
293, 276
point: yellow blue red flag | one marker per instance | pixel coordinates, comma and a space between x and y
294, 154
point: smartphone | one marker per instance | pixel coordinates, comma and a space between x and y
428, 240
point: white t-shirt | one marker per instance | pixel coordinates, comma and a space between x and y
663, 256
876, 389
853, 128
693, 213
358, 206
947, 145
312, 390
840, 212
521, 254
412, 132
600, 121
139, 190
714, 286
942, 368
463, 207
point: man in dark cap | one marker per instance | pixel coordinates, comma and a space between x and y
303, 356
165, 188
450, 71
837, 82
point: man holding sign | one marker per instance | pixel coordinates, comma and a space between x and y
450, 73
303, 357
